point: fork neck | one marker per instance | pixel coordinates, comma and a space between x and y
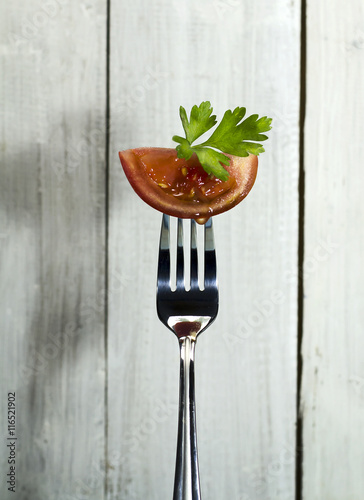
187, 329
187, 482
188, 326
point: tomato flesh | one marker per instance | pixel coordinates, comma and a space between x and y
184, 179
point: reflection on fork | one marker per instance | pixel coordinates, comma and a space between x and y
187, 313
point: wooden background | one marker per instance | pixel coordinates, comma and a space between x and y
95, 373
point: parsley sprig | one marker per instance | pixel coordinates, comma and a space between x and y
232, 136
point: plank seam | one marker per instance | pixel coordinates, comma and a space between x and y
301, 236
107, 178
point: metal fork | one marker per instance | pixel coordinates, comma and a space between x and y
187, 313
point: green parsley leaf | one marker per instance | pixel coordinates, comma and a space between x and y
211, 161
232, 136
184, 150
200, 120
209, 158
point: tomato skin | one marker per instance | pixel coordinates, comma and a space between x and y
242, 172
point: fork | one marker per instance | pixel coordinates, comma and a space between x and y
187, 313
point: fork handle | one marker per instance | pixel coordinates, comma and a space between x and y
187, 480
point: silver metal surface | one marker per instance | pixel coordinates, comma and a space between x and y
187, 313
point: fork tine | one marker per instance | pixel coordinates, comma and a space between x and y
210, 255
164, 255
180, 258
194, 258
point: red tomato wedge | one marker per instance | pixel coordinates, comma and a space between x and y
182, 188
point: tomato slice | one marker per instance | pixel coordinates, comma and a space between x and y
182, 188
186, 180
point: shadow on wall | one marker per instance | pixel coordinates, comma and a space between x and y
53, 252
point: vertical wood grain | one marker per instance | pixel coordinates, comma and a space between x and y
52, 237
164, 54
333, 376
52, 186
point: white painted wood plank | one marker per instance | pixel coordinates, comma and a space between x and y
164, 54
332, 394
52, 186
